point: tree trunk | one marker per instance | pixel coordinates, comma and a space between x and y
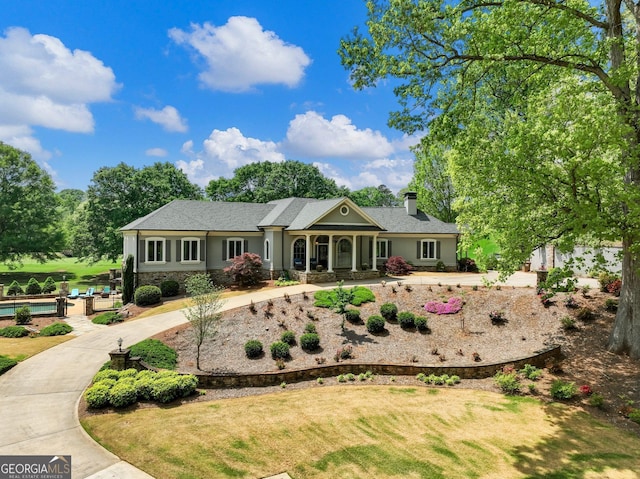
198, 357
625, 335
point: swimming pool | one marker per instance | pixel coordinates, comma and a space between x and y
8, 308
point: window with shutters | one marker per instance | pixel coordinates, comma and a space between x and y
235, 247
155, 250
429, 249
190, 250
382, 248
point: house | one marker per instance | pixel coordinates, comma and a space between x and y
313, 240
582, 260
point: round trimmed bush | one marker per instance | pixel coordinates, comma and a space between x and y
169, 288
375, 324
23, 315
97, 396
144, 383
49, 285
33, 287
107, 318
123, 393
14, 332
15, 289
147, 295
56, 329
389, 311
353, 316
421, 323
406, 319
279, 350
310, 341
288, 337
253, 348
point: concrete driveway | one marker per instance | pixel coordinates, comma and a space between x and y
39, 397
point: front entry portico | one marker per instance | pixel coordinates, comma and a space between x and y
331, 251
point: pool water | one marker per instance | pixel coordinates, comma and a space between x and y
9, 308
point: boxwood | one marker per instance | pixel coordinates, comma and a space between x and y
14, 332
310, 341
375, 324
147, 295
56, 329
253, 348
279, 350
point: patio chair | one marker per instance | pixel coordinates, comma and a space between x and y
106, 291
89, 292
74, 294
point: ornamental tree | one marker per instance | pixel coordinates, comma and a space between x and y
537, 106
245, 269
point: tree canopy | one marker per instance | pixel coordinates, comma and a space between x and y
374, 196
28, 202
432, 182
267, 181
120, 194
537, 104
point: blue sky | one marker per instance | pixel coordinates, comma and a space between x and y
209, 86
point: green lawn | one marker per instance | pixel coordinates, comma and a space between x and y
79, 275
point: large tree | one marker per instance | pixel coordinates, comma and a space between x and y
374, 196
267, 181
120, 194
432, 181
515, 85
28, 223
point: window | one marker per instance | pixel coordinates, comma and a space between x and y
429, 249
155, 250
299, 250
267, 250
190, 249
344, 210
382, 248
235, 247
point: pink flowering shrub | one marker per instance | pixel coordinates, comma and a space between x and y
451, 306
585, 389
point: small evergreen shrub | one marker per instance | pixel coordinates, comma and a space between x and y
97, 396
310, 341
375, 324
508, 382
155, 353
389, 311
353, 316
108, 318
147, 295
585, 314
33, 287
406, 319
6, 364
310, 328
398, 266
421, 323
23, 315
288, 337
563, 390
56, 329
253, 348
14, 332
49, 285
15, 289
169, 288
611, 305
440, 267
568, 323
531, 372
123, 394
596, 400
279, 350
634, 415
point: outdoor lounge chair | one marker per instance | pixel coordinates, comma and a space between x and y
89, 292
74, 294
106, 291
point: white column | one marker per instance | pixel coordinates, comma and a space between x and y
353, 254
374, 253
330, 260
307, 255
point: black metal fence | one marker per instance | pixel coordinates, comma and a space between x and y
8, 308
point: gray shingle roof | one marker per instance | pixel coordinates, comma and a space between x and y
294, 213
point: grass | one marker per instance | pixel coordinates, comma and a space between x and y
78, 275
23, 348
368, 431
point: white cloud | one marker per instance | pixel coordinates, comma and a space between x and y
169, 118
395, 174
312, 136
187, 147
240, 55
156, 152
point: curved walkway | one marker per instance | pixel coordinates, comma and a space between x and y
39, 397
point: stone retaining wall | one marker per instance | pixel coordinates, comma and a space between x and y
544, 358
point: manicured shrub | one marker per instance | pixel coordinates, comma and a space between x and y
107, 318
361, 295
406, 319
508, 382
14, 332
144, 384
310, 341
531, 372
389, 311
23, 315
97, 396
147, 295
327, 298
563, 390
245, 269
375, 324
104, 374
310, 328
56, 329
353, 316
14, 289
169, 288
397, 265
49, 285
288, 337
123, 394
253, 348
279, 350
33, 287
467, 265
421, 323
155, 353
596, 400
6, 364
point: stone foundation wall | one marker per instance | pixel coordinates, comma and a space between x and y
218, 276
551, 356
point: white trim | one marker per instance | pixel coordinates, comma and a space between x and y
344, 210
155, 240
435, 247
234, 239
267, 250
377, 249
190, 239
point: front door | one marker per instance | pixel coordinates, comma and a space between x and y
322, 253
343, 253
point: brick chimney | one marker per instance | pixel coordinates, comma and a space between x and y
410, 198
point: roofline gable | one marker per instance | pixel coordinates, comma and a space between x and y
349, 203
